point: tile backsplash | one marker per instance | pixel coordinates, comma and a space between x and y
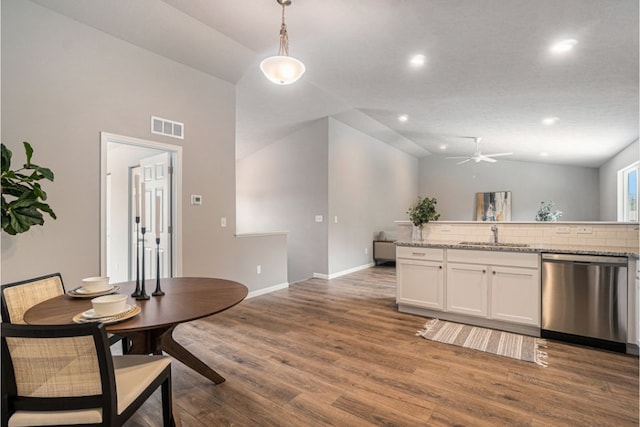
622, 235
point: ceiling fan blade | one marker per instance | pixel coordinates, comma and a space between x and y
457, 157
486, 159
498, 154
462, 162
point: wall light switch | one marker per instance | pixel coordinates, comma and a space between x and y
584, 230
196, 199
562, 230
258, 269
223, 221
319, 218
335, 219
366, 251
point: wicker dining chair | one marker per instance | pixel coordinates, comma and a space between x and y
66, 375
18, 297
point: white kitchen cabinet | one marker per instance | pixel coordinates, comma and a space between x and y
420, 277
515, 294
497, 285
467, 289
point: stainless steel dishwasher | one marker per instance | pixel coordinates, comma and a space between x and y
584, 300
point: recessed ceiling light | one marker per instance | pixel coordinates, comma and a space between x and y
418, 60
403, 118
563, 46
550, 121
544, 154
443, 147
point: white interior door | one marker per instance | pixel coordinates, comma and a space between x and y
155, 172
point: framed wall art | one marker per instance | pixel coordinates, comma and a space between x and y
494, 206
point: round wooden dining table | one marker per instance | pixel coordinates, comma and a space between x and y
151, 331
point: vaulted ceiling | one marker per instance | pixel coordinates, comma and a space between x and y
489, 71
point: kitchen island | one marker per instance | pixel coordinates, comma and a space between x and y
492, 285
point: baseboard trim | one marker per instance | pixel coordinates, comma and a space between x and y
267, 290
343, 272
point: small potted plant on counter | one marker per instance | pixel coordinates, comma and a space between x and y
546, 214
423, 211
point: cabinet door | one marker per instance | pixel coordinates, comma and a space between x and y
420, 284
467, 289
515, 295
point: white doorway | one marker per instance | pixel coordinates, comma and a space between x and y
159, 167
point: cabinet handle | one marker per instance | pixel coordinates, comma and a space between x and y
440, 267
418, 254
494, 273
484, 271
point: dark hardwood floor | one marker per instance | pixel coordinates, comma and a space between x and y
337, 353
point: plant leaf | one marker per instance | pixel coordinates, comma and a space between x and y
6, 159
45, 172
28, 151
46, 208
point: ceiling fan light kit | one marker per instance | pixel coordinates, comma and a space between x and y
282, 69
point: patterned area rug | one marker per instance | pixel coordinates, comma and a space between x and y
502, 343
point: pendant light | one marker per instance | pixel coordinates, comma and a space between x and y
282, 69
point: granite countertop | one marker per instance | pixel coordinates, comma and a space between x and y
535, 248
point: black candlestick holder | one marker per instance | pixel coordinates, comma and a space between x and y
143, 293
136, 293
158, 292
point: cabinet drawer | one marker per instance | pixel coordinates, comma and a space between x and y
412, 252
509, 259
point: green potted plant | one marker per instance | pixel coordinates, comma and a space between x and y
22, 196
423, 211
546, 214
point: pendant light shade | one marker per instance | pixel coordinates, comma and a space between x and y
282, 69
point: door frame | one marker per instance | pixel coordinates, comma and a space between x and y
176, 206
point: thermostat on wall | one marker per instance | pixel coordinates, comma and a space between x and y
196, 199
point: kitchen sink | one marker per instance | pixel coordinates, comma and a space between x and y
509, 245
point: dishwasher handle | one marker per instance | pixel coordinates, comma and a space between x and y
584, 259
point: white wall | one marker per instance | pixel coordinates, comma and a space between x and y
283, 187
371, 184
573, 189
62, 84
609, 180
333, 170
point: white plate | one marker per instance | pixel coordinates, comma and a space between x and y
73, 293
91, 314
84, 291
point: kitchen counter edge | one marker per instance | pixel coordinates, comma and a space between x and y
560, 249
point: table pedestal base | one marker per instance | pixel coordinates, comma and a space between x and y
155, 341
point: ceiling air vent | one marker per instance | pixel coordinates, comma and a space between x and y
167, 127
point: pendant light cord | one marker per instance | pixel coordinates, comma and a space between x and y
284, 37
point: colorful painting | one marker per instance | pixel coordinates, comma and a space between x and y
495, 206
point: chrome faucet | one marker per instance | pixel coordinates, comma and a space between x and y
494, 228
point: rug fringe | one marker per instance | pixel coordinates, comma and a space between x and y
541, 357
427, 327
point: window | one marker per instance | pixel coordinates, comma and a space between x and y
628, 193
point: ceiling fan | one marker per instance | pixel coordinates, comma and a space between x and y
478, 156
